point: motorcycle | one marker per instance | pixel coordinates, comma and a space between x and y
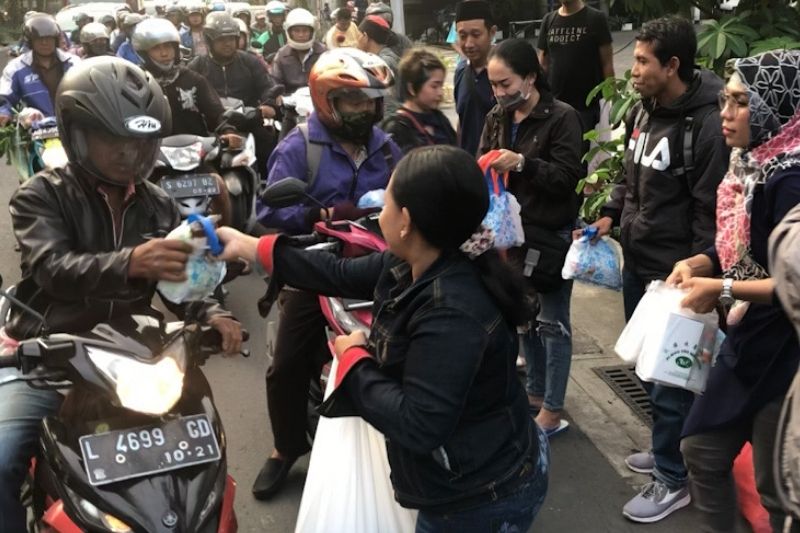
137, 445
343, 239
36, 147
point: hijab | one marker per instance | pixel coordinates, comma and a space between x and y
772, 80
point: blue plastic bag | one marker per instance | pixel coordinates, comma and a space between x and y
373, 198
597, 264
503, 216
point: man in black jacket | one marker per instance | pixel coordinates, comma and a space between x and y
90, 241
676, 156
237, 74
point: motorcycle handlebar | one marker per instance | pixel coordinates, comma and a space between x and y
9, 360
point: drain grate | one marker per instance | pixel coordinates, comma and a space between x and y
623, 380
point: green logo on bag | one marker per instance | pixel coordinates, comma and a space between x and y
683, 356
683, 361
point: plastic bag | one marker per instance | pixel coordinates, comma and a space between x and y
679, 346
597, 263
347, 486
203, 272
503, 217
370, 199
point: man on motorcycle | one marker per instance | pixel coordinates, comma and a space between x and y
33, 77
81, 20
243, 14
90, 240
274, 37
347, 88
175, 16
294, 61
259, 26
125, 50
401, 42
237, 74
192, 37
95, 41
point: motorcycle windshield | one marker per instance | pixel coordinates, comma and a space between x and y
183, 157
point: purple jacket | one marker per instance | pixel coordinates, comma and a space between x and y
338, 178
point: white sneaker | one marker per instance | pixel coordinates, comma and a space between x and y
641, 462
655, 502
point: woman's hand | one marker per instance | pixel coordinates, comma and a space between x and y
703, 294
681, 273
237, 245
343, 342
506, 161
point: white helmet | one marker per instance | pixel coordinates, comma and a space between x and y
300, 17
275, 7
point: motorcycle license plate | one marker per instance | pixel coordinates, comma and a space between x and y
138, 452
190, 185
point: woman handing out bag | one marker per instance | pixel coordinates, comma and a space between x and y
437, 376
760, 111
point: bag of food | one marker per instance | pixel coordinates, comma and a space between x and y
503, 216
203, 271
679, 345
348, 487
595, 263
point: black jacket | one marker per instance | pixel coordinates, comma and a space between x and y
443, 387
664, 216
407, 136
244, 78
291, 70
195, 106
74, 264
550, 138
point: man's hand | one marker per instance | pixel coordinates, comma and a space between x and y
603, 226
231, 332
506, 161
267, 111
343, 342
4, 120
703, 294
233, 140
160, 259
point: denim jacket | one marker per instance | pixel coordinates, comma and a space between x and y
442, 386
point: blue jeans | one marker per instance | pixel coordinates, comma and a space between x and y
513, 513
548, 348
670, 405
21, 411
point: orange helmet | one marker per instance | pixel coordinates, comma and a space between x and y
345, 70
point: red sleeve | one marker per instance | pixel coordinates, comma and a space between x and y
347, 361
266, 248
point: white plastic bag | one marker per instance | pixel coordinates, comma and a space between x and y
347, 486
679, 345
503, 216
203, 272
630, 341
597, 264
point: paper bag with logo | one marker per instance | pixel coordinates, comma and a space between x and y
348, 486
679, 345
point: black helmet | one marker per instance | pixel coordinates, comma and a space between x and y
220, 24
113, 97
39, 26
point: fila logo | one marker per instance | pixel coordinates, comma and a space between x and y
657, 159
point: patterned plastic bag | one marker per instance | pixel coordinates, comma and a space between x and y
596, 263
503, 217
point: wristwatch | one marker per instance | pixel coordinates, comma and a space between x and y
726, 296
521, 164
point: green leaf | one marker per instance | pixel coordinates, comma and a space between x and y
719, 45
737, 46
591, 135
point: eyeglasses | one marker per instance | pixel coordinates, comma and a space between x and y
736, 102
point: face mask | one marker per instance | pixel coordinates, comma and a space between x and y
512, 102
357, 126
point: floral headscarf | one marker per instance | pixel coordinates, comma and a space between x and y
772, 80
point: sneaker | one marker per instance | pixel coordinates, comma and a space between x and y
641, 462
655, 502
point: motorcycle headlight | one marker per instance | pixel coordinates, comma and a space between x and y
150, 388
90, 511
348, 323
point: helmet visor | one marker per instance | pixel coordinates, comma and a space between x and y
116, 160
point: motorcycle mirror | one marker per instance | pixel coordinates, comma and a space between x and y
286, 192
25, 307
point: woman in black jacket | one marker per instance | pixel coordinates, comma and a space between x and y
539, 138
437, 375
418, 122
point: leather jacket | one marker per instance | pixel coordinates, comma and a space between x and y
75, 262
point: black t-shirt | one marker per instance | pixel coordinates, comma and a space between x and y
572, 45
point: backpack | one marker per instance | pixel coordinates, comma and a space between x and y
314, 155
